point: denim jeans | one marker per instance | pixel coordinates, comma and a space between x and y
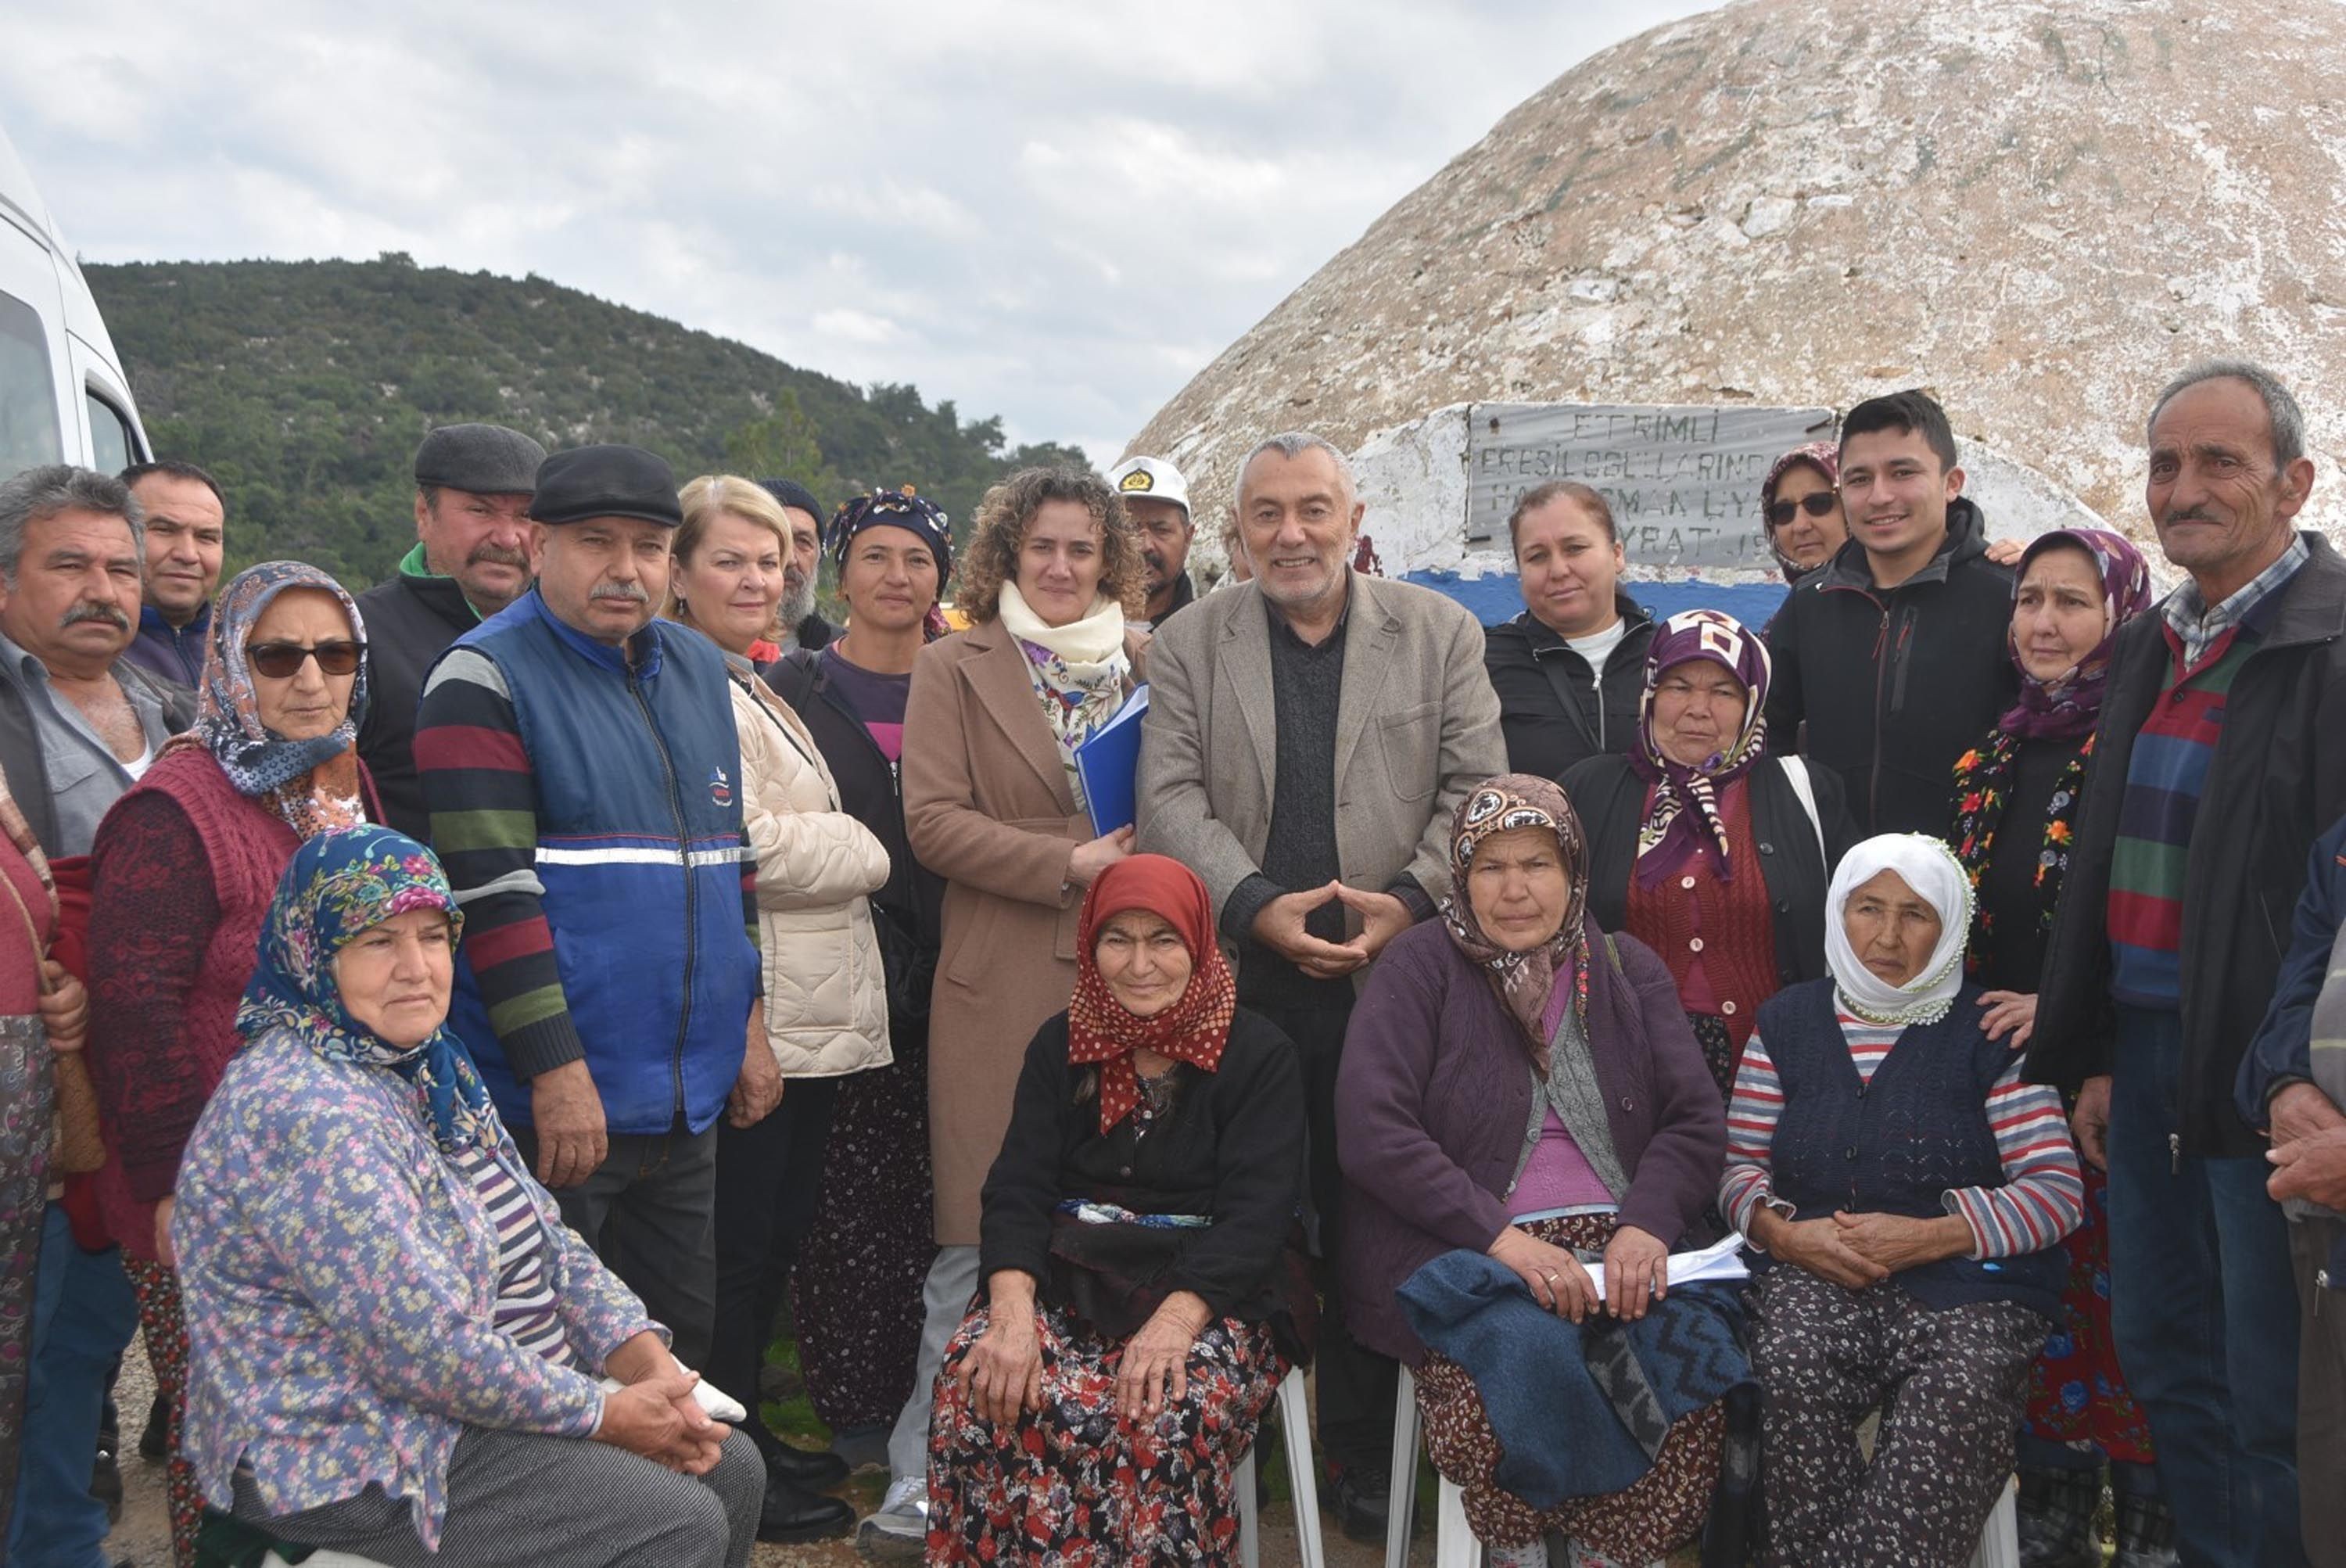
2203, 1306
84, 1315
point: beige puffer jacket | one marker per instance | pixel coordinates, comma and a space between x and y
826, 996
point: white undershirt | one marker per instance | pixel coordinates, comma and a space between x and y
1598, 647
137, 767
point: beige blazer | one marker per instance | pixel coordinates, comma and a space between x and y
987, 808
1417, 727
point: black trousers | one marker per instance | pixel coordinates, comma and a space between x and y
646, 1212
768, 1178
1356, 1385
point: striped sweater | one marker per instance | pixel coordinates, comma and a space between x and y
2043, 1194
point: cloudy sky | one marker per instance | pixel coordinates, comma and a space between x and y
1058, 212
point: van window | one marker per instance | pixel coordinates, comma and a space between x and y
28, 402
112, 447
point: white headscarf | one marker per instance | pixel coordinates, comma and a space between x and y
1929, 868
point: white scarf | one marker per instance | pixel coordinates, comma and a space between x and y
1931, 869
1085, 647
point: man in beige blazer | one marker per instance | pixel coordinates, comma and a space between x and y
1308, 735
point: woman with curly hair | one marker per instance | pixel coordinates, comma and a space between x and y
993, 804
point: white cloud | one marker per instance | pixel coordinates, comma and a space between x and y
1053, 212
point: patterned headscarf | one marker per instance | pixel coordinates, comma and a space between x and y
340, 885
312, 785
897, 509
1825, 458
1194, 1029
2069, 704
1685, 806
1525, 981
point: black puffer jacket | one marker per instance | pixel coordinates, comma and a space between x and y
410, 621
1893, 685
1550, 706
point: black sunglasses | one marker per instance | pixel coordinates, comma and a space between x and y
1816, 504
278, 661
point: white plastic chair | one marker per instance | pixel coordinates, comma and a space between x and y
322, 1559
1999, 1543
1302, 1482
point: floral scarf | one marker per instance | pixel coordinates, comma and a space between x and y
310, 784
1525, 981
1195, 1029
341, 884
1683, 801
1078, 669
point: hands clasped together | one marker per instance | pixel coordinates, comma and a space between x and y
1637, 1274
655, 1414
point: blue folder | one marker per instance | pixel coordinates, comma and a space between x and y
1109, 765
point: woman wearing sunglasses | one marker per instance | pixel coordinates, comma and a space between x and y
1800, 504
182, 872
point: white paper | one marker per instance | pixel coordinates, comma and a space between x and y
1721, 1260
718, 1405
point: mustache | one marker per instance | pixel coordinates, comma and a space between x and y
89, 610
497, 555
2194, 514
626, 593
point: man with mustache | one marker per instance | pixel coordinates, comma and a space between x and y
582, 774
473, 484
1895, 650
186, 520
2217, 761
1156, 499
797, 623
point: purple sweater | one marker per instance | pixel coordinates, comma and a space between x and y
1434, 1093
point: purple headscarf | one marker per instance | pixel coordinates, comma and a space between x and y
2067, 706
1821, 455
1685, 809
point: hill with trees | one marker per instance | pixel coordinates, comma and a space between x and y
304, 386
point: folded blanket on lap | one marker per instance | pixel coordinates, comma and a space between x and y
1579, 1411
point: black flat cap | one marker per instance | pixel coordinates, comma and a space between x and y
485, 459
606, 481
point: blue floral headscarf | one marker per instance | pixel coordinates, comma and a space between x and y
341, 884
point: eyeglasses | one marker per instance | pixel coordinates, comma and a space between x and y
1816, 504
280, 661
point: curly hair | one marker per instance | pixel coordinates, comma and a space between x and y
1000, 530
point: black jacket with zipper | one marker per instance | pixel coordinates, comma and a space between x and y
1551, 709
2278, 781
1895, 683
410, 621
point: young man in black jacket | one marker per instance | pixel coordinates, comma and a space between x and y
1895, 652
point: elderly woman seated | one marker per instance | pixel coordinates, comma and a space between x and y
397, 1349
1518, 1091
1909, 1192
1140, 1302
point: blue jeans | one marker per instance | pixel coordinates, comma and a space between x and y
84, 1313
2204, 1311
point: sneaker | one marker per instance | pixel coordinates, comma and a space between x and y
899, 1532
1356, 1495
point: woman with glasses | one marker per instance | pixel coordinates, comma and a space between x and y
181, 874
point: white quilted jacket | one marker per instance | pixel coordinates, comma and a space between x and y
826, 996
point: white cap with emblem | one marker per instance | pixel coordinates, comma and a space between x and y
1152, 478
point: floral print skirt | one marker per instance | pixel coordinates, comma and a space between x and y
26, 1106
1074, 1485
1665, 1507
2076, 1395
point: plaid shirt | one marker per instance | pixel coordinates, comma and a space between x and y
2197, 627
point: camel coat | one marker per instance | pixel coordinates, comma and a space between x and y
987, 808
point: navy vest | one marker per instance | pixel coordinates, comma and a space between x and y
1898, 1143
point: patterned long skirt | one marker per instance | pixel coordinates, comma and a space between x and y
1666, 1506
1951, 1383
26, 1109
855, 1292
1073, 1485
2076, 1395
1719, 1052
166, 1331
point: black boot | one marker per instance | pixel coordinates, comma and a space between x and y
2145, 1532
156, 1440
2056, 1518
812, 1469
791, 1513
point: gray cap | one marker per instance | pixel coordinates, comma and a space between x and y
485, 459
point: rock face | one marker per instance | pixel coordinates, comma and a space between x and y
2039, 211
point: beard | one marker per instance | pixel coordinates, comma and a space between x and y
797, 604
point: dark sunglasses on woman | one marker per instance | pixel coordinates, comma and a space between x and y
280, 660
1816, 504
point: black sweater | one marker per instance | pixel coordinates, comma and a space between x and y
1231, 1147
410, 621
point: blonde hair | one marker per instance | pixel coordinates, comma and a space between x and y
715, 496
1007, 513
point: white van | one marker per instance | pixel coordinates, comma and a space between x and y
63, 395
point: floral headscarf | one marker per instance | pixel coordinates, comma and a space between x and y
2068, 706
340, 885
1526, 982
312, 785
1825, 458
1685, 806
897, 509
1194, 1029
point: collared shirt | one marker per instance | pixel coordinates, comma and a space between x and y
2198, 627
85, 777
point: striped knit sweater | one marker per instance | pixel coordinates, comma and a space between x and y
2043, 1194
